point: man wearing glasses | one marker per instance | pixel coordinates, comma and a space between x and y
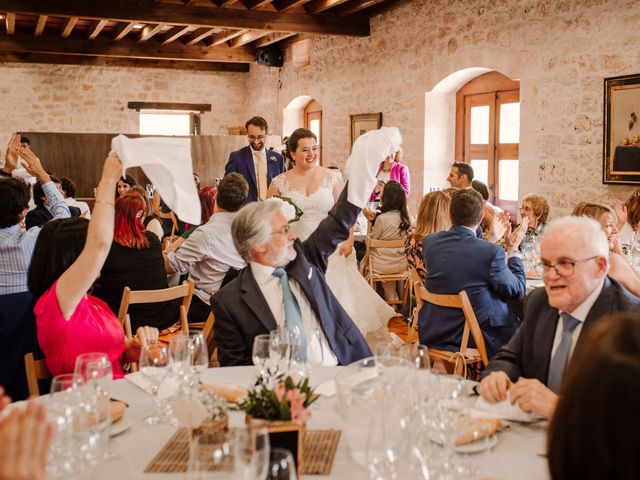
254, 162
577, 293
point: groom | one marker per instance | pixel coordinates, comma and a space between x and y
284, 284
254, 162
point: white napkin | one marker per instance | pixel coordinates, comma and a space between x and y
362, 165
167, 388
503, 410
167, 163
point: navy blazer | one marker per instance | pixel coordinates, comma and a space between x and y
41, 215
528, 353
241, 161
241, 311
457, 260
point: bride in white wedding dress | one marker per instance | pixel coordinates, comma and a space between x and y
314, 189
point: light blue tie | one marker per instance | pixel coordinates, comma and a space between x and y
293, 317
559, 359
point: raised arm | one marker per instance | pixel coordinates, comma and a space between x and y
55, 200
78, 278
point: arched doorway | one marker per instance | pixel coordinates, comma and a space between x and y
303, 111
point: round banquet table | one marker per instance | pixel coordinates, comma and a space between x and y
516, 455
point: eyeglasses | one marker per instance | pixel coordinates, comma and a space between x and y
563, 268
253, 138
283, 231
526, 209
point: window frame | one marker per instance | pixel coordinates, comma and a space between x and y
195, 111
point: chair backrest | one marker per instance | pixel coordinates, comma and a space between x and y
36, 370
461, 301
372, 243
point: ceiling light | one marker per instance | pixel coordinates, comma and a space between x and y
138, 26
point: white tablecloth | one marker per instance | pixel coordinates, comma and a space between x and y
516, 455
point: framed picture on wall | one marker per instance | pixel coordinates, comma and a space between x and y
621, 163
363, 123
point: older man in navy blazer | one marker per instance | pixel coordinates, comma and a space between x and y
457, 260
254, 162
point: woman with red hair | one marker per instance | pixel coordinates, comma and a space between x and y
135, 261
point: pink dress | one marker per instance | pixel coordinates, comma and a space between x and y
91, 328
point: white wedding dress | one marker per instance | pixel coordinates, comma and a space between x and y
366, 308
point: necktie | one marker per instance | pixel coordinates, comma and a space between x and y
262, 175
293, 318
559, 360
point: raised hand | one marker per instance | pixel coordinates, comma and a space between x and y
33, 165
621, 213
12, 154
513, 239
498, 227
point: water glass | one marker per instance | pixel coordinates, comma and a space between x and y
210, 453
281, 465
417, 355
94, 369
153, 364
98, 407
251, 454
280, 349
180, 354
260, 352
199, 355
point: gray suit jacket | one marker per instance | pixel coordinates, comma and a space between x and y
528, 353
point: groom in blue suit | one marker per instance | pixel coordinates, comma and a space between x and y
254, 158
457, 260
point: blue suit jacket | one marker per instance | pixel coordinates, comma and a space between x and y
241, 311
457, 260
241, 161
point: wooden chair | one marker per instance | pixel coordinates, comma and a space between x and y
464, 356
386, 277
414, 282
208, 334
36, 370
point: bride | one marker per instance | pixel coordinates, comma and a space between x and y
314, 189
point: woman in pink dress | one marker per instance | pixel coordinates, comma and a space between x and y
67, 259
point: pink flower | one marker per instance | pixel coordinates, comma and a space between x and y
295, 396
299, 413
279, 390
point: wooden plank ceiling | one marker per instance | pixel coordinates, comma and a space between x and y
214, 35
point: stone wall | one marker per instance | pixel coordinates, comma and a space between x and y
560, 50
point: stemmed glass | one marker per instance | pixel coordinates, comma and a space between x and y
95, 370
180, 355
281, 465
199, 355
153, 363
260, 352
279, 349
251, 453
211, 452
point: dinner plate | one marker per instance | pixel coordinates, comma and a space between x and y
119, 427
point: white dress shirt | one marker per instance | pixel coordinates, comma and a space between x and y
271, 289
580, 313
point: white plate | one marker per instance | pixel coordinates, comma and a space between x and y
120, 426
475, 447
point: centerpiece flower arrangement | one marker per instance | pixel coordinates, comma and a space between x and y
279, 397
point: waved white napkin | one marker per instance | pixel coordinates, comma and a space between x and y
502, 410
167, 388
362, 165
167, 163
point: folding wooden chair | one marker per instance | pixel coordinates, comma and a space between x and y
375, 278
464, 356
36, 370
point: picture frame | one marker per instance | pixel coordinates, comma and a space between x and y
621, 136
363, 123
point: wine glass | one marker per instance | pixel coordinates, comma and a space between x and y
281, 465
180, 354
199, 355
251, 453
279, 351
417, 355
98, 407
153, 363
95, 369
260, 352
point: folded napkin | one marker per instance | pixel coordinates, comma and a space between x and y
231, 393
167, 163
167, 389
368, 151
503, 410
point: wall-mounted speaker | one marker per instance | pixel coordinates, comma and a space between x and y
271, 56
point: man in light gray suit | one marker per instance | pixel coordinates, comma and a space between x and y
576, 294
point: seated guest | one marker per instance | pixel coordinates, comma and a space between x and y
457, 260
433, 217
284, 283
150, 221
619, 268
489, 210
392, 223
207, 196
66, 261
69, 192
460, 175
536, 209
124, 185
43, 213
209, 253
135, 261
17, 323
595, 430
576, 294
628, 214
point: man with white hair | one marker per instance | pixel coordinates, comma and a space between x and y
577, 293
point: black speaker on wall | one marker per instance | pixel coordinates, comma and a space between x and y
270, 56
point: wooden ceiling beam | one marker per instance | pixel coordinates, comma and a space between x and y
174, 34
122, 31
124, 48
176, 14
68, 27
224, 3
284, 5
355, 6
317, 6
42, 21
248, 37
249, 4
10, 23
223, 37
95, 28
59, 59
200, 35
149, 31
271, 38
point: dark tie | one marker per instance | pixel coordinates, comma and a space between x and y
559, 359
293, 317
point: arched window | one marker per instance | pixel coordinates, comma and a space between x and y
488, 134
313, 122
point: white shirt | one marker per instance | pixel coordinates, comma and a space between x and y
207, 255
83, 206
580, 313
271, 289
